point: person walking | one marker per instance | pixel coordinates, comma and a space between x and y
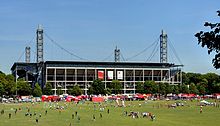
76, 113
93, 117
72, 116
36, 120
9, 115
200, 109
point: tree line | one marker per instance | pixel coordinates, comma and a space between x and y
195, 83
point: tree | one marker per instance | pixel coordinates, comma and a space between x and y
116, 86
11, 85
2, 91
48, 89
185, 78
211, 79
155, 87
139, 87
23, 88
184, 88
203, 86
59, 91
37, 92
192, 78
201, 89
175, 89
3, 82
216, 88
168, 88
97, 87
162, 88
211, 40
108, 91
193, 89
76, 90
149, 87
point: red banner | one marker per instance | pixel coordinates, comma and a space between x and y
97, 99
101, 74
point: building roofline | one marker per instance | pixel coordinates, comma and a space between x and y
21, 63
101, 63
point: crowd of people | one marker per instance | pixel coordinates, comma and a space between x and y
99, 110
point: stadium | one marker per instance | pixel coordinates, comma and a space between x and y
65, 74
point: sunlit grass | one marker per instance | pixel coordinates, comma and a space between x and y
187, 115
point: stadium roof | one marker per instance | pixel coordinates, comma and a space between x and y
99, 64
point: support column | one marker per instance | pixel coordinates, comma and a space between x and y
181, 76
124, 80
105, 77
55, 82
96, 74
134, 80
42, 86
65, 81
86, 82
152, 75
115, 74
75, 76
170, 79
39, 44
163, 47
26, 78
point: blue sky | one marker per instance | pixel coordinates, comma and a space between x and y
92, 28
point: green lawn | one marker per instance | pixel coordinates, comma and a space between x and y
181, 116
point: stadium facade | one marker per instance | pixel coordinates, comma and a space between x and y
65, 74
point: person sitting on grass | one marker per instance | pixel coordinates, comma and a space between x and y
26, 114
153, 117
145, 114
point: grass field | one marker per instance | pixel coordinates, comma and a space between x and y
187, 115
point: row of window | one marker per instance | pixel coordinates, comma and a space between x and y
92, 72
83, 78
